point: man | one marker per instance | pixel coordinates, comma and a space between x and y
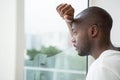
90, 30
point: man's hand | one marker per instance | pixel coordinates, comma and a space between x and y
66, 11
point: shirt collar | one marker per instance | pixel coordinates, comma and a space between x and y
108, 52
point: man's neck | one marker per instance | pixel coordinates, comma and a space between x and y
97, 51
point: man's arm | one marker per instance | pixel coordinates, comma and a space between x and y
66, 11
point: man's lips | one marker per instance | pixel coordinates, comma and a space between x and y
75, 46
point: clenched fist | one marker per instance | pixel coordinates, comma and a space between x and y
66, 11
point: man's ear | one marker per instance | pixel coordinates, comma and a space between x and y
93, 31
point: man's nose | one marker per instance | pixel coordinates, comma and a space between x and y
73, 40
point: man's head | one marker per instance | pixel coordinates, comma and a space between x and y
91, 27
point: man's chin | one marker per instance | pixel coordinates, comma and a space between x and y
82, 54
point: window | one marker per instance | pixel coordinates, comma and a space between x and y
49, 52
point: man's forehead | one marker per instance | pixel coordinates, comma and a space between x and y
74, 26
76, 23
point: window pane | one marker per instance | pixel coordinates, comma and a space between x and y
49, 52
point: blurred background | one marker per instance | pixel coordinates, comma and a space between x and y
49, 51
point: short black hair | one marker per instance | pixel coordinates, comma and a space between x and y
98, 16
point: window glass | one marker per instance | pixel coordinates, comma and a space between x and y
49, 51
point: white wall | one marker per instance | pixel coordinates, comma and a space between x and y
11, 40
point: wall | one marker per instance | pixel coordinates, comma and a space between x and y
11, 40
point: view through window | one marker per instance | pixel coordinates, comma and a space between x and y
49, 51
